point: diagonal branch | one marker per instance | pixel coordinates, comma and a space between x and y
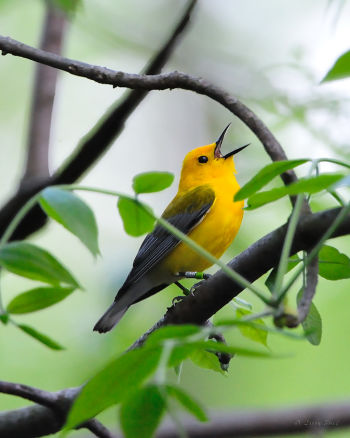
97, 141
251, 263
37, 163
94, 144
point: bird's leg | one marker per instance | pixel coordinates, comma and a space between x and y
184, 290
189, 274
196, 275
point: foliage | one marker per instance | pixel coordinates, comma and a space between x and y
138, 378
70, 211
340, 70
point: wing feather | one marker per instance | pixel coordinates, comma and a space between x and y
184, 212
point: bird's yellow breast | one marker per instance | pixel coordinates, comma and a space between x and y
215, 232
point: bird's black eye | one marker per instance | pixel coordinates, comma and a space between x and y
203, 159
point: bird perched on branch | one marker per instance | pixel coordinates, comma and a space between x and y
203, 209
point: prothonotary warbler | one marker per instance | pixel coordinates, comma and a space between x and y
203, 209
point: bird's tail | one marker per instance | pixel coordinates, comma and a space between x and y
111, 317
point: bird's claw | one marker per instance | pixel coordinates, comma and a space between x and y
177, 299
194, 287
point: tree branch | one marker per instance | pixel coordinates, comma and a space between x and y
196, 309
95, 143
37, 165
213, 294
171, 81
36, 421
53, 405
35, 395
272, 422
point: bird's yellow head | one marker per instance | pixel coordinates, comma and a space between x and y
206, 164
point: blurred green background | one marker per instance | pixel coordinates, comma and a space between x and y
269, 53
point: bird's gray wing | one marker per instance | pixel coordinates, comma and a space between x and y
184, 212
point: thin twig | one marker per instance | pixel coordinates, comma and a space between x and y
37, 165
98, 429
309, 291
155, 82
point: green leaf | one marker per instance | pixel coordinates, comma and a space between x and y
30, 261
206, 360
4, 318
68, 6
37, 299
136, 219
250, 332
150, 182
40, 337
113, 384
180, 352
333, 265
344, 182
270, 281
74, 214
171, 332
141, 413
310, 185
265, 175
191, 405
253, 324
312, 325
340, 70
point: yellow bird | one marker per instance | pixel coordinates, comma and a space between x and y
204, 210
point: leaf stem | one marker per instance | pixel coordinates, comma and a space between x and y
165, 224
288, 241
17, 219
11, 228
160, 374
332, 160
337, 221
203, 252
282, 267
177, 233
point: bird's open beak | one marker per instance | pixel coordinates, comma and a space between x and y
217, 151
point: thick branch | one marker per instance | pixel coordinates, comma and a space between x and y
255, 261
37, 166
94, 145
210, 296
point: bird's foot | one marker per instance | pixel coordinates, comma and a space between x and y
177, 299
